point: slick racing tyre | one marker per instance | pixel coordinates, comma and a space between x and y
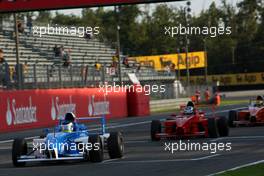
212, 128
96, 154
222, 126
42, 136
19, 148
115, 145
253, 119
155, 128
232, 116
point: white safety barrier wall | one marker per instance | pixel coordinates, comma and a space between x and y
156, 105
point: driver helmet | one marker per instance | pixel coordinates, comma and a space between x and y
67, 127
259, 101
70, 117
188, 110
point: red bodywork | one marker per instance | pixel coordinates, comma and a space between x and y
183, 126
252, 116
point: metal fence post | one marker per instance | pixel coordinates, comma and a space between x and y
103, 74
35, 75
18, 70
21, 75
86, 74
82, 76
60, 79
93, 76
71, 76
48, 76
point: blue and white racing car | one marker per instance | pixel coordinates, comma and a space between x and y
70, 140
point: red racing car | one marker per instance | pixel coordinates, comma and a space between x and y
189, 123
252, 116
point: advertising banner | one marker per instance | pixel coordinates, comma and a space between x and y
229, 79
42, 108
30, 5
160, 62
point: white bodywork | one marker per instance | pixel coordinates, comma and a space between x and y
39, 155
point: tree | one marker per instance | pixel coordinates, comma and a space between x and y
68, 20
247, 22
44, 17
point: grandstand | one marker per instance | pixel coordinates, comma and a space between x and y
35, 49
46, 71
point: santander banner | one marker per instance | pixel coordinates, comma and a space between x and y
41, 108
29, 5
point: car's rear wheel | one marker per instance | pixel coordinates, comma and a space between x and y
212, 128
253, 119
200, 127
19, 148
222, 125
115, 145
155, 128
42, 136
232, 116
96, 154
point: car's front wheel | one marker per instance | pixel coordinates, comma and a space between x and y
115, 145
223, 128
212, 128
155, 128
96, 154
19, 148
232, 116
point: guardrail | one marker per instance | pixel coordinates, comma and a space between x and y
59, 76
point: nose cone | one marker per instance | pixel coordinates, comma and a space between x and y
56, 142
181, 121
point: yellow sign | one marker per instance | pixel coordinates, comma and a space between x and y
176, 61
229, 79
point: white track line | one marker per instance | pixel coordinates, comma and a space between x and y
6, 141
5, 148
129, 124
159, 161
132, 142
205, 157
238, 167
210, 113
109, 160
126, 125
11, 140
237, 137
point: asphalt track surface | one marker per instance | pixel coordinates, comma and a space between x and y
144, 157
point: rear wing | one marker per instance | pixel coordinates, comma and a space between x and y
101, 119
